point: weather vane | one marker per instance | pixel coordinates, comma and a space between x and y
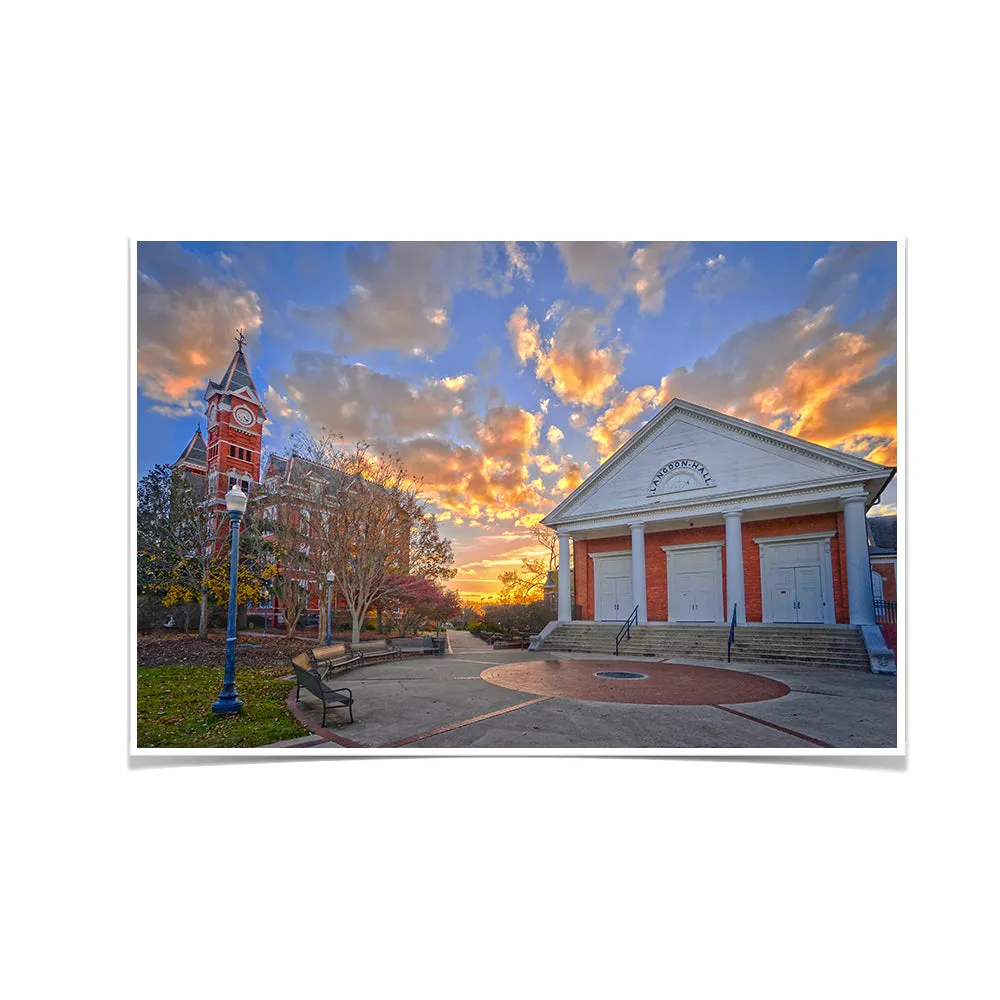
239, 338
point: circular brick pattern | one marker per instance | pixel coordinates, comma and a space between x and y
665, 684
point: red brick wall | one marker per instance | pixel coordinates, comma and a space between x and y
802, 525
656, 561
888, 573
656, 564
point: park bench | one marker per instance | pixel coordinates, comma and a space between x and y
423, 644
328, 696
375, 650
327, 658
510, 644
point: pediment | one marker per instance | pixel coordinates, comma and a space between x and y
690, 454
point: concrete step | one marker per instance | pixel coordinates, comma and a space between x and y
819, 645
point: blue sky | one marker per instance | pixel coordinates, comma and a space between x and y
506, 372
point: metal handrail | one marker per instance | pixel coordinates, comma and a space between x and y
626, 628
732, 637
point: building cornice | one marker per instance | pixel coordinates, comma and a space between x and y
862, 469
748, 502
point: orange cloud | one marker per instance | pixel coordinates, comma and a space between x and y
488, 481
579, 367
611, 429
804, 374
523, 334
573, 473
186, 326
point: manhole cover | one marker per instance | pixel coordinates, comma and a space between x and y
621, 675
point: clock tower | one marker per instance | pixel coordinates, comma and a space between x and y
236, 418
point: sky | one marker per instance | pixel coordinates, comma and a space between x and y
504, 373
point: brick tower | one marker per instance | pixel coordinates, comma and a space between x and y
236, 418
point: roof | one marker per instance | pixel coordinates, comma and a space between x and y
195, 454
842, 460
882, 534
300, 472
237, 377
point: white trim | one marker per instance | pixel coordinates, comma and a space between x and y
608, 555
750, 502
813, 536
694, 545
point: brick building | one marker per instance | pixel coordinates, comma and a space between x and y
302, 490
236, 417
700, 513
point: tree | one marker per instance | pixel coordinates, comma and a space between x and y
177, 541
289, 581
524, 585
548, 540
420, 601
372, 528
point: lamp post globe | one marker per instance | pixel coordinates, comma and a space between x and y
330, 578
228, 703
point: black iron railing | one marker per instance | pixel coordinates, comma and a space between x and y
732, 637
885, 611
626, 629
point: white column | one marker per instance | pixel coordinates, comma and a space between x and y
565, 598
860, 600
735, 592
639, 571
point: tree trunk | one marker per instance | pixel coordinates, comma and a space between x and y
322, 620
378, 619
203, 618
355, 626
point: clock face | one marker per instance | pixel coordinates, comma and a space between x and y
243, 416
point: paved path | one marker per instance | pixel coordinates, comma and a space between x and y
449, 702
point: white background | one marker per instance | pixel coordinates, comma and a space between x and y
487, 877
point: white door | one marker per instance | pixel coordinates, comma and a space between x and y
616, 598
623, 597
797, 581
613, 588
694, 584
783, 594
809, 603
696, 600
796, 595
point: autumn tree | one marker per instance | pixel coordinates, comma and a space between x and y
177, 540
290, 537
373, 528
420, 600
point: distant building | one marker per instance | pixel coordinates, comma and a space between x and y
882, 550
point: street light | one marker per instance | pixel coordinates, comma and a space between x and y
330, 577
228, 703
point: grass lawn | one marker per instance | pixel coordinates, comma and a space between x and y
175, 708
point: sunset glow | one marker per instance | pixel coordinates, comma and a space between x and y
503, 374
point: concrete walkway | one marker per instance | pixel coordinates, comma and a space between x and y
445, 702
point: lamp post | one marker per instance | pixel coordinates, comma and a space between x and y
228, 703
330, 577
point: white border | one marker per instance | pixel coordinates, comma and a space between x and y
401, 752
